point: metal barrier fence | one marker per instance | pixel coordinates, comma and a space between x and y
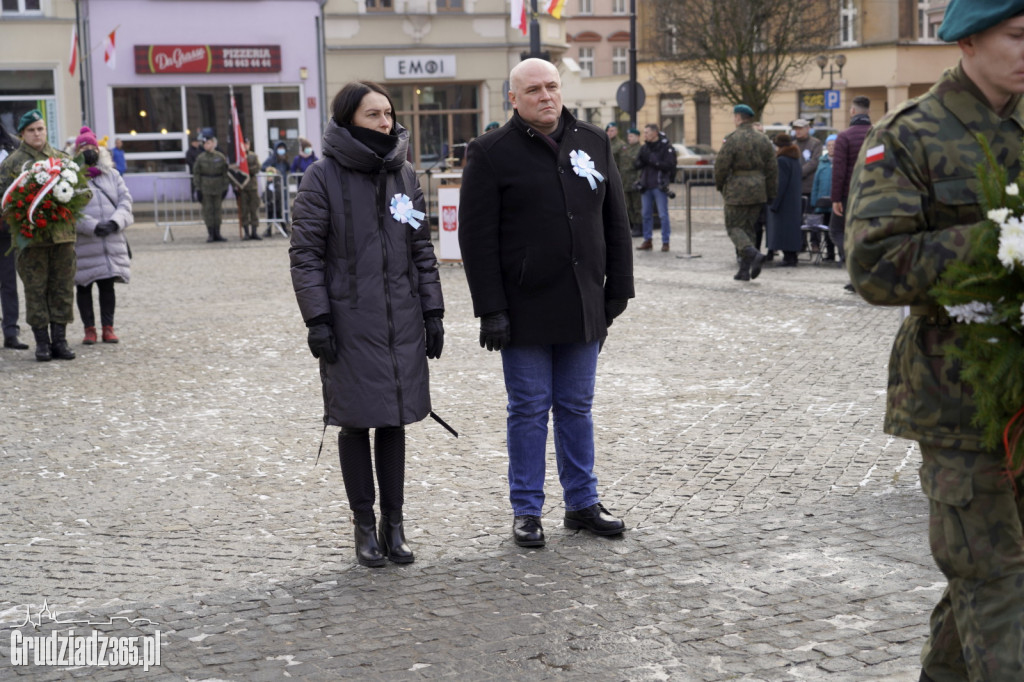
175, 203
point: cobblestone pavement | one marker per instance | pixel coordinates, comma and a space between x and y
775, 533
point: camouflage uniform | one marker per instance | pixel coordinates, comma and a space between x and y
249, 196
625, 161
46, 263
747, 175
914, 202
210, 174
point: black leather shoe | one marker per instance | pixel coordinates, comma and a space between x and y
13, 342
392, 538
527, 531
596, 519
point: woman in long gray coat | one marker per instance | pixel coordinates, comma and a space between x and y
366, 280
785, 213
101, 250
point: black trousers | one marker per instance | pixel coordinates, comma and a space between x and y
9, 308
107, 302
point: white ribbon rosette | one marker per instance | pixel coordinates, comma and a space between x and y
402, 210
583, 166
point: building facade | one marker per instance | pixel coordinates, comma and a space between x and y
597, 60
890, 53
35, 66
445, 63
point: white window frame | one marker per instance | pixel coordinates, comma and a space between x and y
620, 60
586, 8
21, 9
620, 7
925, 28
586, 62
847, 22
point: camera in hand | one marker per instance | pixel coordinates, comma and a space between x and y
669, 192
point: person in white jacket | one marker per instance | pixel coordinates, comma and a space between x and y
101, 248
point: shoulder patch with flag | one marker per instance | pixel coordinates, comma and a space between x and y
874, 154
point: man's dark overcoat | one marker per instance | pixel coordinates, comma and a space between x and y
536, 239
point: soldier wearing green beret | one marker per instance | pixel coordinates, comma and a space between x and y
210, 177
913, 206
747, 174
46, 262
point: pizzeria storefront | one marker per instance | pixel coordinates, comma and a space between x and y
173, 76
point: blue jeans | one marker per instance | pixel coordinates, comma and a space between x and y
648, 199
560, 379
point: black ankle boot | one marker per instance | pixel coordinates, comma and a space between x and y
42, 335
392, 538
256, 234
59, 342
367, 548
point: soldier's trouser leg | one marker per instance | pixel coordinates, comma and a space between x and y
739, 224
9, 309
977, 541
48, 276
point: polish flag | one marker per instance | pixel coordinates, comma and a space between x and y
73, 58
555, 8
518, 17
874, 154
109, 55
236, 129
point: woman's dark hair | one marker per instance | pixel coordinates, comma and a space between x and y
346, 103
783, 140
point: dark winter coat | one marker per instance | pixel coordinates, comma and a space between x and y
785, 213
536, 240
844, 156
656, 163
373, 276
104, 257
302, 163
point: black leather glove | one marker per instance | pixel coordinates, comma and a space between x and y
321, 342
105, 228
435, 336
613, 308
495, 330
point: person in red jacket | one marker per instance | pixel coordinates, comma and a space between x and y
848, 144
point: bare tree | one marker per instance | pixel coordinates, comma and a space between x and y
739, 50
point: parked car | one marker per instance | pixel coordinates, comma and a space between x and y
691, 155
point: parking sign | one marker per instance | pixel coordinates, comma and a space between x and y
831, 99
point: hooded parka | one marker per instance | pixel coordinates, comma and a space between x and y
104, 257
354, 263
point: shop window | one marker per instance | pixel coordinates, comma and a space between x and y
441, 120
380, 6
281, 99
23, 90
21, 7
147, 110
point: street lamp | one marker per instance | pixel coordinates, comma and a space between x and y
822, 61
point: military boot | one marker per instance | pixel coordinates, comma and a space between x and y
209, 234
42, 335
754, 259
255, 233
59, 342
216, 234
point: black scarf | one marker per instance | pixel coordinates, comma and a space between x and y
380, 144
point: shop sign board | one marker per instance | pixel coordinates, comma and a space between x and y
177, 59
419, 66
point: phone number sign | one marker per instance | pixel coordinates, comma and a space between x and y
175, 59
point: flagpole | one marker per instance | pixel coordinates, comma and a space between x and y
81, 67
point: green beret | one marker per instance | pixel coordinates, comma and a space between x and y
743, 109
29, 118
967, 17
613, 124
633, 131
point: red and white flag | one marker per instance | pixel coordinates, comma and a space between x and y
236, 128
874, 154
73, 58
109, 53
518, 17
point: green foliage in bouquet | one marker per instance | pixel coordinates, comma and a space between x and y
986, 291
